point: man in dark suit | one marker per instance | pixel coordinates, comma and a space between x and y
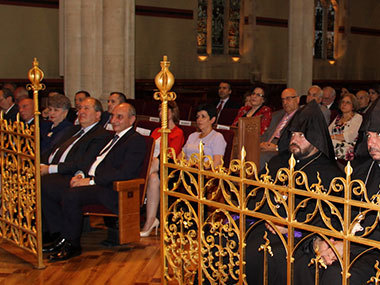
79, 145
80, 96
224, 102
114, 99
7, 104
121, 159
26, 110
280, 119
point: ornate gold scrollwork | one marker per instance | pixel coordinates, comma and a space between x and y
20, 218
205, 211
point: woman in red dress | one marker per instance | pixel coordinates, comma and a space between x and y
256, 108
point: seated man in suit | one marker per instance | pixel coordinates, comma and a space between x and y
280, 119
26, 110
114, 99
364, 101
80, 96
7, 104
121, 159
224, 92
20, 93
81, 143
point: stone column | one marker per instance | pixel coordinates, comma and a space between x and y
129, 49
113, 42
92, 47
72, 45
301, 40
99, 48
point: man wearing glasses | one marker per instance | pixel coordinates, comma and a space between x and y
280, 119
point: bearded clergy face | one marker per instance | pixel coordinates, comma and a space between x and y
300, 146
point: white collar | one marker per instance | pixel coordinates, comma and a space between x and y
6, 112
123, 132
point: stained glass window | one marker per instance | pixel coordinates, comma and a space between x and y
330, 32
234, 27
202, 27
324, 29
318, 31
218, 27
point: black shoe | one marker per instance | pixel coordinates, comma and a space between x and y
68, 251
54, 247
50, 239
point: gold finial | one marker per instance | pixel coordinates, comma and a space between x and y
35, 76
164, 79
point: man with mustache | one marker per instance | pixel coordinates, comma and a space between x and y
367, 169
307, 138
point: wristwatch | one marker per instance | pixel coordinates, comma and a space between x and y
92, 181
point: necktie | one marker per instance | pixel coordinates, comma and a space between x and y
109, 146
219, 107
280, 126
65, 145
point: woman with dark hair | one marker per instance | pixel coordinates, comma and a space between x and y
214, 144
175, 140
256, 108
56, 127
345, 127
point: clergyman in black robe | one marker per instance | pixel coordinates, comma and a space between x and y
308, 139
367, 169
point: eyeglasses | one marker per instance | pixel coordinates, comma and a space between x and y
257, 94
288, 98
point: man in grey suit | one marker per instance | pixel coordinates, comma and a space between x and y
280, 119
316, 93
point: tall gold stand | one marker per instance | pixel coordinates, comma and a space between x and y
20, 214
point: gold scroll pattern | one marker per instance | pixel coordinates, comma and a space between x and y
20, 213
208, 241
208, 212
18, 210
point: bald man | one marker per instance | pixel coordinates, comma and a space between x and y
120, 159
280, 119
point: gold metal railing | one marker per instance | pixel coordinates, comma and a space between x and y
20, 213
204, 212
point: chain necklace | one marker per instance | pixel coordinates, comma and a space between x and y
311, 161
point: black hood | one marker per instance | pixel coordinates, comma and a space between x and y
310, 121
371, 123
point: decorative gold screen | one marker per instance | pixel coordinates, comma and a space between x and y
204, 212
20, 215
